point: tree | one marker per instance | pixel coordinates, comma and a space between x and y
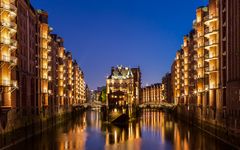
102, 96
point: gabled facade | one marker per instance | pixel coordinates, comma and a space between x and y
125, 83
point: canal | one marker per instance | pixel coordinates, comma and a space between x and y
154, 130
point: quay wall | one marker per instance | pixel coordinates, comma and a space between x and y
214, 127
18, 127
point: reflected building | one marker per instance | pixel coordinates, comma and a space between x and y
154, 130
124, 137
94, 119
164, 128
76, 136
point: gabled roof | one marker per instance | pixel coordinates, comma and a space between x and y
121, 72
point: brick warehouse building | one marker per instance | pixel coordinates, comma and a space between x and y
38, 76
230, 60
205, 72
152, 94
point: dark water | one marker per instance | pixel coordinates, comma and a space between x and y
153, 131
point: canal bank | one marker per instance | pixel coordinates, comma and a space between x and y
211, 127
20, 129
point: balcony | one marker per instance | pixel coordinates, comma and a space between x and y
44, 37
200, 66
195, 46
44, 68
5, 82
13, 60
200, 78
12, 26
49, 58
210, 57
9, 7
195, 36
195, 58
45, 91
199, 56
206, 87
45, 57
200, 46
200, 35
210, 18
49, 91
211, 43
44, 48
49, 38
5, 58
210, 31
14, 84
13, 47
185, 55
60, 77
49, 78
60, 84
213, 86
44, 77
9, 42
199, 90
210, 70
49, 68
13, 43
49, 48
10, 59
9, 83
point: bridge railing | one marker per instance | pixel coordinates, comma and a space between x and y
153, 104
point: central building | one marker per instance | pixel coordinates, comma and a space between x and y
123, 87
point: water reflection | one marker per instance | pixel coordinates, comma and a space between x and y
124, 137
153, 130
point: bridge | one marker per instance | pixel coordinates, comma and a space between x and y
154, 105
94, 104
117, 116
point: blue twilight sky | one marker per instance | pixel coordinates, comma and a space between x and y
105, 33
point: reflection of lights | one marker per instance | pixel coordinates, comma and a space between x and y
84, 120
66, 144
115, 136
124, 111
137, 131
130, 132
